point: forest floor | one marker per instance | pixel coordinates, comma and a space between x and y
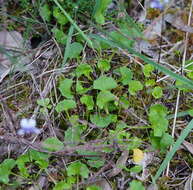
96, 95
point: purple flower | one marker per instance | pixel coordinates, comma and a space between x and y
158, 4
28, 126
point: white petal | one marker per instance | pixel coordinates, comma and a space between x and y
37, 131
24, 123
20, 132
32, 122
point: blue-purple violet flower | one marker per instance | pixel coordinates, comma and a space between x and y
158, 4
28, 126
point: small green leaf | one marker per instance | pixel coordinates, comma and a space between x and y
99, 10
103, 65
93, 187
5, 170
52, 144
157, 92
62, 185
157, 117
124, 102
126, 75
136, 169
43, 102
190, 75
65, 88
136, 185
105, 83
166, 141
80, 89
84, 69
88, 101
61, 19
147, 69
104, 97
134, 87
103, 121
59, 35
73, 135
78, 168
96, 163
65, 105
190, 112
150, 82
45, 12
75, 50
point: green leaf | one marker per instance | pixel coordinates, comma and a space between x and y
103, 121
59, 35
52, 144
99, 10
166, 141
190, 75
96, 163
134, 87
80, 89
126, 75
105, 83
150, 82
103, 65
103, 98
157, 117
43, 102
75, 50
124, 102
136, 185
45, 12
93, 187
78, 168
136, 169
65, 105
73, 135
88, 101
65, 88
61, 19
62, 185
190, 112
147, 69
157, 92
84, 69
5, 170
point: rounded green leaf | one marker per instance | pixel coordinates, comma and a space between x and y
103, 121
103, 98
147, 69
88, 101
126, 75
65, 105
78, 168
84, 69
65, 88
134, 86
103, 65
105, 83
75, 50
157, 92
52, 144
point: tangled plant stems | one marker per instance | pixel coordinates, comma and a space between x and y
158, 4
28, 126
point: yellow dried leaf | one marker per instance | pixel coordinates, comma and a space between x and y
138, 156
